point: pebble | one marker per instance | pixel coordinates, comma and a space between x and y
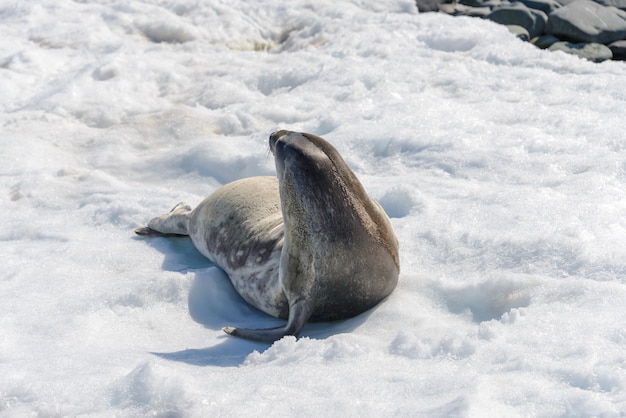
592, 51
618, 48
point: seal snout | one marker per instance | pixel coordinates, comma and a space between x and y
275, 137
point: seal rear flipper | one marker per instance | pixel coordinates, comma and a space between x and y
299, 312
175, 223
149, 232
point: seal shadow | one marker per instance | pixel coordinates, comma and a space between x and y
214, 303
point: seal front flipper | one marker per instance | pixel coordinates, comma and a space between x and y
299, 313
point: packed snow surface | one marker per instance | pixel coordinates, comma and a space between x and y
502, 167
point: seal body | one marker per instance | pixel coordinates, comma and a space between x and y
239, 227
307, 245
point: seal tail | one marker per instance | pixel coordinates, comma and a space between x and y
299, 312
173, 223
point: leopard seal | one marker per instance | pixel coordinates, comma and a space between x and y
309, 244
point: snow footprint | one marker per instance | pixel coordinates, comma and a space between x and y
399, 202
487, 300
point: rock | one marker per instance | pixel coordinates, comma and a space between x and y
620, 4
546, 6
545, 41
463, 10
481, 3
592, 51
618, 48
532, 20
519, 32
424, 6
586, 21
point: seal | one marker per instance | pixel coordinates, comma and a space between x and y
309, 244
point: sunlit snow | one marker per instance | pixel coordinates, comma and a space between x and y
502, 166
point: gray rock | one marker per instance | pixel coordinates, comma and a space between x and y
519, 32
481, 3
546, 6
592, 51
620, 4
587, 21
618, 48
545, 41
424, 6
532, 20
463, 10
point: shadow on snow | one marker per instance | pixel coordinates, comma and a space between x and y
214, 303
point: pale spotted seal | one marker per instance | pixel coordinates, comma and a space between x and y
308, 245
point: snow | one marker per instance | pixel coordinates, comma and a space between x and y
502, 166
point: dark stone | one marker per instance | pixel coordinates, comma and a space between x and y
618, 48
546, 6
592, 51
424, 6
519, 32
586, 21
482, 3
545, 41
532, 20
